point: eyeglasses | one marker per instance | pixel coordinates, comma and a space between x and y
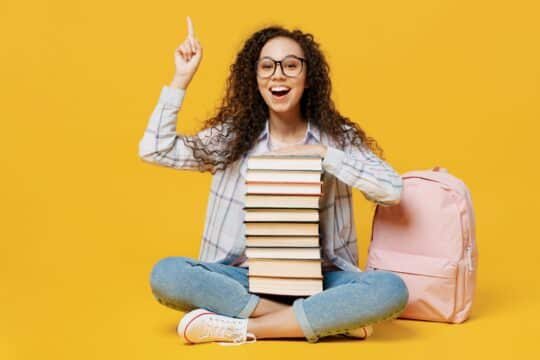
291, 66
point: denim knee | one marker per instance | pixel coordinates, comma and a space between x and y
394, 287
163, 274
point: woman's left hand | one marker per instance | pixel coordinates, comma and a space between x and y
311, 149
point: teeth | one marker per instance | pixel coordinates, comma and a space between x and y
279, 88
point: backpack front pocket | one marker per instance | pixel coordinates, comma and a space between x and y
431, 282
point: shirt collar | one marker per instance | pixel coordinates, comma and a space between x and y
312, 130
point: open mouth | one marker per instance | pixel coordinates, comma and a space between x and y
279, 92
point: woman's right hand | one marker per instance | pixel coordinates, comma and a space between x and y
187, 58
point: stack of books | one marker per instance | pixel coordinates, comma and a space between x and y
282, 224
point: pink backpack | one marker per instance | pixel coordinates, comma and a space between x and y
428, 239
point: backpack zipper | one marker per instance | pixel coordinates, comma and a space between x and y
468, 251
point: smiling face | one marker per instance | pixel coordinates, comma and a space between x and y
286, 101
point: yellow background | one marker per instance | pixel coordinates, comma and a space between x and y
450, 83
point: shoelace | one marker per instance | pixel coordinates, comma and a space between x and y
227, 329
246, 341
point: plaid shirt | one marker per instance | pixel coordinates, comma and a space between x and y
223, 238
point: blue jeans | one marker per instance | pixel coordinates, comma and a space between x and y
349, 300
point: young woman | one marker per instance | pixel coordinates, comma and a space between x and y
277, 100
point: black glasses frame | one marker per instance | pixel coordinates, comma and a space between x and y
276, 63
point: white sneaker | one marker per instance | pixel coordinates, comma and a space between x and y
360, 333
201, 325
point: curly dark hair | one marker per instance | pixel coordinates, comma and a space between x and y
243, 111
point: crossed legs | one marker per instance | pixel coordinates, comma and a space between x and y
350, 299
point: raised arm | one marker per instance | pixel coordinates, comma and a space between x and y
160, 143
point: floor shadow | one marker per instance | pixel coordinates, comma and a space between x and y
489, 300
396, 330
167, 328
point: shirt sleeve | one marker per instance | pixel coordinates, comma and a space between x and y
359, 167
160, 143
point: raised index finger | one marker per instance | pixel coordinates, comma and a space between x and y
191, 33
